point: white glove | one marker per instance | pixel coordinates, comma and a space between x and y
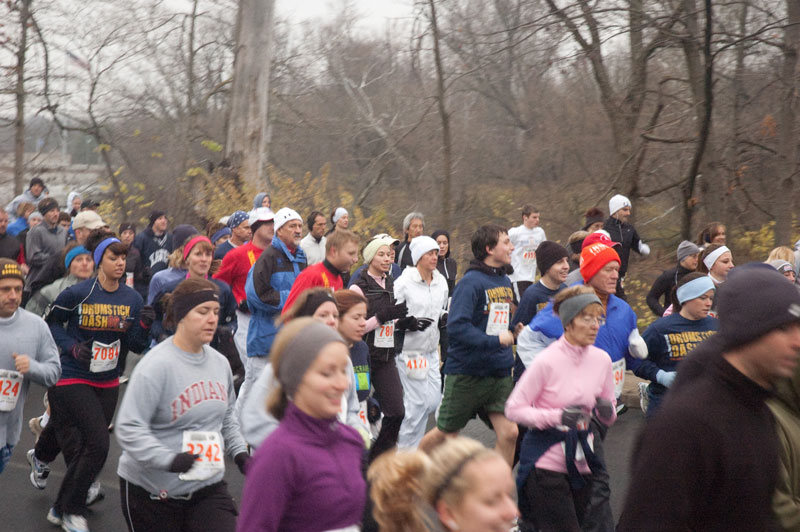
644, 249
636, 346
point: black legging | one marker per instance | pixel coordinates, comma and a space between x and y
389, 392
80, 417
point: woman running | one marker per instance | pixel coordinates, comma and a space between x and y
176, 423
317, 303
555, 398
92, 322
384, 315
196, 259
671, 338
307, 474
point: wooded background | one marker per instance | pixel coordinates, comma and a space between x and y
465, 111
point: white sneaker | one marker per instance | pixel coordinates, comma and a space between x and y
54, 517
74, 523
95, 494
39, 470
644, 399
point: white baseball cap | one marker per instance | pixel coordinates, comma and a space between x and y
262, 214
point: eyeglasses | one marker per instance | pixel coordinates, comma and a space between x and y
591, 320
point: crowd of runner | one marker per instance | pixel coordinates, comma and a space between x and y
260, 341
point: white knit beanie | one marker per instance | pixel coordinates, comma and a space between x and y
618, 202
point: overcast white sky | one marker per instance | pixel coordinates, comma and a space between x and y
375, 13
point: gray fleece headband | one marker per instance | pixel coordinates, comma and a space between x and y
301, 353
573, 306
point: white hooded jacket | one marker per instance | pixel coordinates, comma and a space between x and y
424, 301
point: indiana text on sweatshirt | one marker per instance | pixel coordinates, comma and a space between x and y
172, 392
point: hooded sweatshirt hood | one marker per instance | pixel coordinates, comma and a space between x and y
481, 266
71, 196
259, 199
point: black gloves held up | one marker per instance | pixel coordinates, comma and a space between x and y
395, 312
572, 415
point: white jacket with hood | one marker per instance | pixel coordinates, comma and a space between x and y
424, 301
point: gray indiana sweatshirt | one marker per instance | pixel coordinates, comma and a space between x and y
172, 391
25, 334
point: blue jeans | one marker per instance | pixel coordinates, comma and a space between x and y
5, 455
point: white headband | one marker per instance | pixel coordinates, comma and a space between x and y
714, 255
338, 213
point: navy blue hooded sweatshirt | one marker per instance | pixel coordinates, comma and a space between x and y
471, 350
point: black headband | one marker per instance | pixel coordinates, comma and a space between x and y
453, 474
314, 301
182, 305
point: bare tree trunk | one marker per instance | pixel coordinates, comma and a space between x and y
447, 141
19, 93
787, 129
704, 117
248, 123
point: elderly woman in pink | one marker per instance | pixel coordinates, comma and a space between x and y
568, 382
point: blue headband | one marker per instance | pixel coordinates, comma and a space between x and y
74, 252
694, 289
219, 234
101, 248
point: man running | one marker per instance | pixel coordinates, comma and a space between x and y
619, 230
28, 353
479, 357
239, 224
526, 239
236, 265
709, 459
313, 243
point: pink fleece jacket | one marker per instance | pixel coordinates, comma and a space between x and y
562, 375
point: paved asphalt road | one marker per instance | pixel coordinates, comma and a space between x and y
23, 508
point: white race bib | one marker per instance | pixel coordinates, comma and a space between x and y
416, 366
211, 460
384, 335
529, 256
362, 413
10, 386
104, 356
618, 368
129, 279
498, 318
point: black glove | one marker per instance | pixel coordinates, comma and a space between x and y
147, 316
423, 323
407, 324
241, 460
82, 352
604, 408
243, 306
182, 462
443, 321
572, 415
392, 313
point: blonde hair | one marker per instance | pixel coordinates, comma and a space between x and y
782, 253
278, 401
400, 480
